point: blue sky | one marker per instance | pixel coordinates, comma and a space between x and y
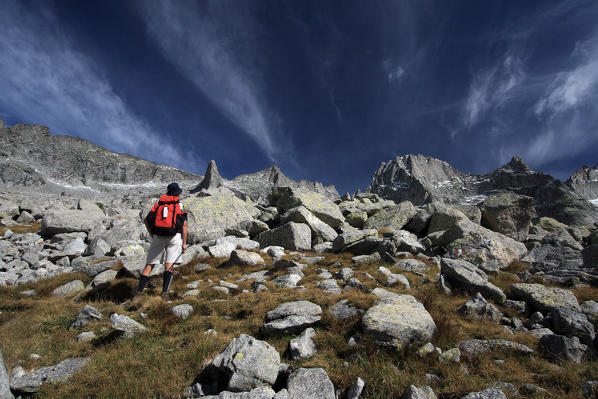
325, 89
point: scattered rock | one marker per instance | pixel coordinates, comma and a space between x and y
478, 308
303, 347
509, 214
222, 250
414, 392
4, 381
245, 258
310, 383
246, 363
86, 315
182, 311
63, 371
373, 258
398, 322
472, 348
341, 310
563, 348
126, 326
294, 236
318, 228
545, 299
291, 317
452, 355
462, 273
69, 288
490, 393
86, 336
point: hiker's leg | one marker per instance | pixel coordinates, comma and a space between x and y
144, 278
167, 279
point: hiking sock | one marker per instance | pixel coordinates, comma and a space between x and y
142, 283
166, 282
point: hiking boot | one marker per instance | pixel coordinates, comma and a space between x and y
165, 296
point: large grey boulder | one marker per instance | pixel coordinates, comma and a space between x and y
398, 322
292, 317
309, 384
246, 363
318, 228
394, 218
239, 242
182, 311
545, 299
67, 221
590, 256
70, 288
303, 347
509, 214
461, 273
296, 236
63, 371
125, 326
472, 348
286, 198
210, 216
563, 348
4, 380
342, 310
482, 245
103, 278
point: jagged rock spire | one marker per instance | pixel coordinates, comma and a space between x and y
211, 180
518, 164
1, 122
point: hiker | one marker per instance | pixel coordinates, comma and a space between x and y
167, 224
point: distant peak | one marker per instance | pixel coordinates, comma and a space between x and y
212, 178
517, 164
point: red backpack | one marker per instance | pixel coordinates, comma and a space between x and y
166, 217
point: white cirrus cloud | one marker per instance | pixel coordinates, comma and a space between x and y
212, 44
491, 88
45, 79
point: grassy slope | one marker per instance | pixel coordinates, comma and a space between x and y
164, 361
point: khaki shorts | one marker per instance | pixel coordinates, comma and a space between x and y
165, 247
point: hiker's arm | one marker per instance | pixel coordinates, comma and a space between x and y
147, 226
185, 235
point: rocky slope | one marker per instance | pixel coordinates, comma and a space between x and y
31, 156
422, 180
585, 183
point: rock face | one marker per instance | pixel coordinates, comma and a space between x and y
398, 322
422, 179
64, 161
509, 214
259, 185
246, 363
585, 183
211, 180
562, 348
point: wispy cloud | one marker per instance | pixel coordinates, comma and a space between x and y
46, 80
394, 73
491, 88
211, 43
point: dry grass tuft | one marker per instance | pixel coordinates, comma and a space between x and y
22, 228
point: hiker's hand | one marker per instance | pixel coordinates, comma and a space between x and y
184, 247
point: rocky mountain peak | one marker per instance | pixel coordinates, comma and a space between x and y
585, 183
211, 180
516, 164
276, 176
1, 122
